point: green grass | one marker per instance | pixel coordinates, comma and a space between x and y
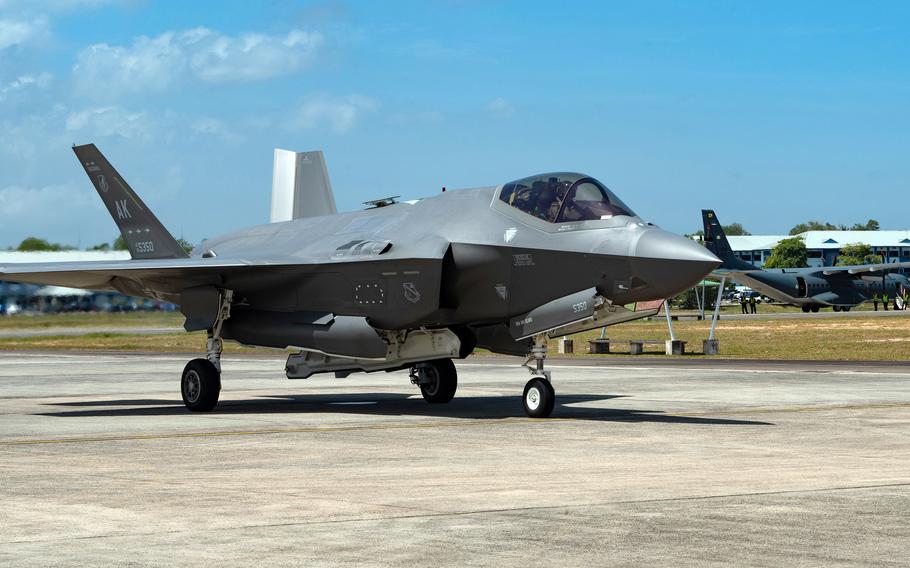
99, 319
836, 338
833, 338
178, 342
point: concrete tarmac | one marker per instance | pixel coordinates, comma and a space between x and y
674, 465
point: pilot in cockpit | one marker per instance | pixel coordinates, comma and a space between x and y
548, 198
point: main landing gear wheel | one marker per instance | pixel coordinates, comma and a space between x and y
200, 385
805, 309
836, 308
539, 398
815, 309
437, 380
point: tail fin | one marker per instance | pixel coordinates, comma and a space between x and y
143, 233
716, 242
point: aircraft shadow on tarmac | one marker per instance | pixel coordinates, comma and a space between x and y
391, 404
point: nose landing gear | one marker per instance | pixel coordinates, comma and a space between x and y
539, 397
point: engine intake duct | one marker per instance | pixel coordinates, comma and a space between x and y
349, 336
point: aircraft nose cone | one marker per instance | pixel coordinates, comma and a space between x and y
670, 264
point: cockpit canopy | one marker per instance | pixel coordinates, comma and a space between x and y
563, 198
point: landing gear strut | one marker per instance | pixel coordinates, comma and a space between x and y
539, 397
200, 384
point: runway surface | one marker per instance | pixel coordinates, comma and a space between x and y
647, 464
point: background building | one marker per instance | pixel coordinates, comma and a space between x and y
824, 246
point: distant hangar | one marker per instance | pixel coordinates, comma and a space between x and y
824, 246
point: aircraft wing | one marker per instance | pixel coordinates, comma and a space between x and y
719, 273
864, 268
141, 277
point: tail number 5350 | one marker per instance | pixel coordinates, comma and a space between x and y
145, 246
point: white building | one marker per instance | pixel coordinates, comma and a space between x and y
824, 246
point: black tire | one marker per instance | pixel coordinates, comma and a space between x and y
539, 398
442, 380
846, 308
835, 308
200, 385
815, 309
805, 309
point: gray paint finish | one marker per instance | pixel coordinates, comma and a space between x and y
461, 260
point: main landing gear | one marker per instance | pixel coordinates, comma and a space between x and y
200, 384
437, 380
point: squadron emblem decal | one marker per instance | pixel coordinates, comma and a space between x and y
411, 293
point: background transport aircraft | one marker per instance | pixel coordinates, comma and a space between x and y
399, 285
840, 287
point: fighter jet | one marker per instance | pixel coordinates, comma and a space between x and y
399, 285
840, 287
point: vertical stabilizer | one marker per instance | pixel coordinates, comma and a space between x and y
143, 233
716, 242
300, 186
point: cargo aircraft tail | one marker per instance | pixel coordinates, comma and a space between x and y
716, 242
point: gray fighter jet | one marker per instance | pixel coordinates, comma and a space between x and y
840, 287
408, 285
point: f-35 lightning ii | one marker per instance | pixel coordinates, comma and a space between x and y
840, 287
408, 285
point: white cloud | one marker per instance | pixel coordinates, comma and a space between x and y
18, 32
253, 57
157, 64
16, 200
54, 5
208, 126
110, 121
418, 117
55, 212
40, 81
339, 114
500, 108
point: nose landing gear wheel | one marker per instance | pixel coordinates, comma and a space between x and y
438, 380
539, 398
200, 385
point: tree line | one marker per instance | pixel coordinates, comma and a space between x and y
792, 253
737, 229
35, 244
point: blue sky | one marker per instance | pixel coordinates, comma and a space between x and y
771, 113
